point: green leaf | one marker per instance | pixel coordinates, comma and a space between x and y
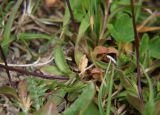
127, 83
82, 29
95, 11
83, 101
78, 55
78, 85
154, 47
61, 61
101, 64
110, 87
135, 102
138, 9
58, 96
78, 10
83, 26
122, 29
66, 19
31, 36
144, 44
91, 110
51, 70
149, 108
144, 50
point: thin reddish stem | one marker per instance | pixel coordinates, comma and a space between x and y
7, 70
136, 37
72, 16
34, 73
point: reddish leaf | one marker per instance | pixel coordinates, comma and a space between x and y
105, 50
97, 73
50, 3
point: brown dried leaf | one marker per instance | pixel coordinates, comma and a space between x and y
97, 73
24, 99
48, 109
83, 63
148, 29
91, 22
105, 50
26, 103
22, 88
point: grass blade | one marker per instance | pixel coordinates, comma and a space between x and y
7, 29
110, 86
150, 105
101, 92
31, 36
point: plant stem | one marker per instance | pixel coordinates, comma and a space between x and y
105, 19
72, 16
136, 37
34, 73
6, 65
